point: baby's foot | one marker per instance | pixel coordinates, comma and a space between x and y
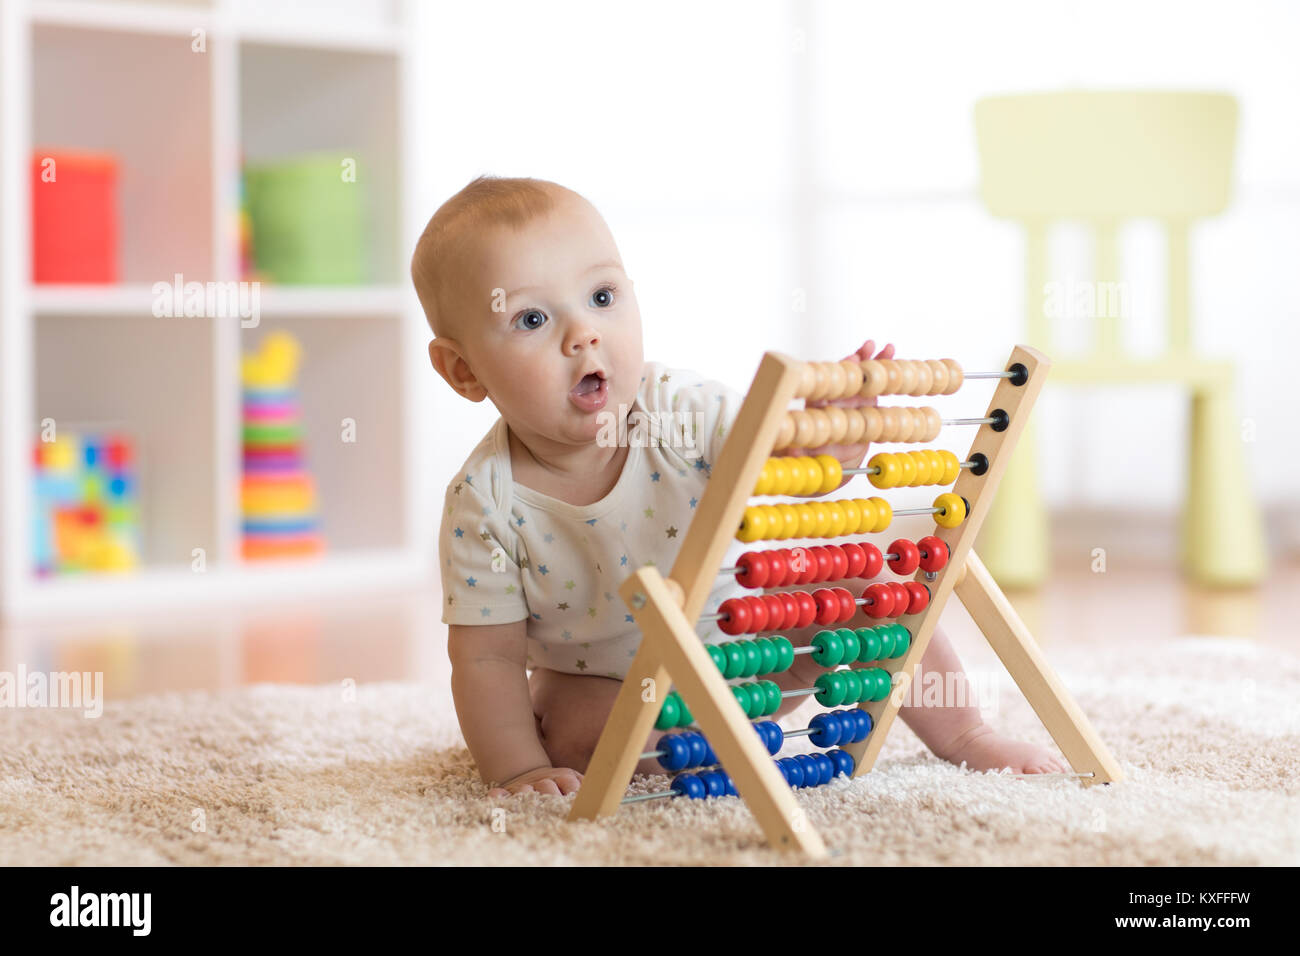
981, 749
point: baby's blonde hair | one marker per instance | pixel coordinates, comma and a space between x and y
486, 202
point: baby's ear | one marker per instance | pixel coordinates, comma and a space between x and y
448, 361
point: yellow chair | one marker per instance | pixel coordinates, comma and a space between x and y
1102, 158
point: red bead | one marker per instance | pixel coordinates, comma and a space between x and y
778, 568
880, 601
934, 553
790, 604
908, 557
901, 597
754, 570
848, 606
828, 606
757, 613
735, 616
839, 563
822, 562
775, 611
855, 558
919, 596
807, 608
809, 568
875, 561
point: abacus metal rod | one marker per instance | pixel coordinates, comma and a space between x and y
1006, 374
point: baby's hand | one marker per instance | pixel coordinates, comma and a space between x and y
849, 455
553, 780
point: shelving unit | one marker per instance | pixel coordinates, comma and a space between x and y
273, 78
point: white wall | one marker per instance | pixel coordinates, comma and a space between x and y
743, 150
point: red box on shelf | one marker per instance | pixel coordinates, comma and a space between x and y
74, 217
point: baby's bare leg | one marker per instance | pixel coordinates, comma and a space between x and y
571, 711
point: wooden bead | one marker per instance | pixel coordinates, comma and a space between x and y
785, 436
852, 378
807, 381
873, 424
839, 420
906, 376
804, 428
836, 380
940, 372
904, 424
854, 425
954, 376
875, 378
894, 373
893, 419
821, 426
933, 422
819, 382
924, 379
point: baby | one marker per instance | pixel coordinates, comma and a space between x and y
530, 307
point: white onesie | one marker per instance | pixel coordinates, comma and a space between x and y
509, 553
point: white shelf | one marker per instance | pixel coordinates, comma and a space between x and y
278, 78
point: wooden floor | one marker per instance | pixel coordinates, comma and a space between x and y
399, 636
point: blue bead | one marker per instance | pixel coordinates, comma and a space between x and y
864, 725
731, 784
710, 758
689, 785
677, 752
775, 732
811, 774
825, 769
714, 784
793, 772
699, 749
827, 729
843, 762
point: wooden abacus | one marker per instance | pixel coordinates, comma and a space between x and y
666, 609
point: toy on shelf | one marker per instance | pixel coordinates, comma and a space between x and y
87, 519
726, 746
75, 222
278, 495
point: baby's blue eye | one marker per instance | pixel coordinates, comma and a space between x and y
603, 298
532, 319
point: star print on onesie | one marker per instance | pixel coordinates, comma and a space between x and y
510, 553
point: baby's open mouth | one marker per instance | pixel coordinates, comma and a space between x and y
591, 392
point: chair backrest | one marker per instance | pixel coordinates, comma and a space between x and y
1104, 157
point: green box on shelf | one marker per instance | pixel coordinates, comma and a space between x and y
308, 220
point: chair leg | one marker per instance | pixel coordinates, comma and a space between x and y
1012, 543
1223, 537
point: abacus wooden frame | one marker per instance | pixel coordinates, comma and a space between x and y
671, 651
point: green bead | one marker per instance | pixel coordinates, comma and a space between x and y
849, 638
886, 633
772, 693
719, 657
870, 642
883, 684
902, 640
769, 654
684, 719
669, 713
830, 689
784, 653
757, 699
735, 659
741, 693
753, 658
853, 681
830, 649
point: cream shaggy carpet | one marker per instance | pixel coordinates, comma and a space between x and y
1208, 731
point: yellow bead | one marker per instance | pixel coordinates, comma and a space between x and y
884, 513
787, 521
906, 471
852, 516
952, 510
807, 520
764, 483
838, 520
951, 467
887, 477
823, 513
867, 523
780, 476
831, 471
937, 466
921, 461
812, 475
753, 525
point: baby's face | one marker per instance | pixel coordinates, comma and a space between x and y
551, 327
